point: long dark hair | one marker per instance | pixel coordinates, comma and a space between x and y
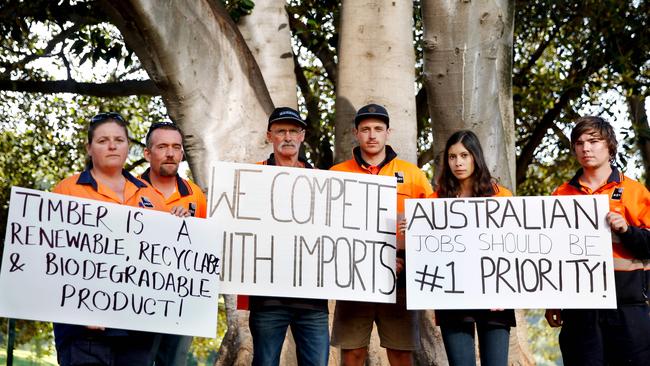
482, 181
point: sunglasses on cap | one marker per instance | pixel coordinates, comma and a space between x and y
101, 117
157, 125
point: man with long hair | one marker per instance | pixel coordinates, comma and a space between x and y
618, 336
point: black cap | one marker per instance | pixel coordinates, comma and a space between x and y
371, 111
286, 114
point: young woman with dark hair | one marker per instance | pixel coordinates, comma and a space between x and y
464, 173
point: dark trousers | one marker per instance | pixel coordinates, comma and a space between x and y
131, 350
606, 337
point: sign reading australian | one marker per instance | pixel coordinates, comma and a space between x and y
293, 232
510, 252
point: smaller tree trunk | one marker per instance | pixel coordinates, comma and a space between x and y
468, 67
376, 65
237, 345
267, 34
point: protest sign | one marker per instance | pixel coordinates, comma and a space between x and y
80, 261
514, 252
304, 233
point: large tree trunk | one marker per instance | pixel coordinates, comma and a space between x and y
376, 65
208, 79
468, 67
468, 76
267, 34
213, 90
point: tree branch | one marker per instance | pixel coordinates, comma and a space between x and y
45, 52
574, 87
115, 89
321, 49
315, 139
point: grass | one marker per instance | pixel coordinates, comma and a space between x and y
27, 358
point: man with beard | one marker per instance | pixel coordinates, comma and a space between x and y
164, 152
271, 316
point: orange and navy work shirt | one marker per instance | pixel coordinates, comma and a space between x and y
456, 317
631, 250
411, 181
136, 192
499, 191
187, 194
257, 303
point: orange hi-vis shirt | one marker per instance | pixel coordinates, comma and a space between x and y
630, 199
499, 191
455, 317
187, 194
136, 192
411, 181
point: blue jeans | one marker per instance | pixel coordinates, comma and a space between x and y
310, 332
171, 349
493, 341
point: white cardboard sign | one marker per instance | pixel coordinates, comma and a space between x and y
80, 261
509, 252
307, 233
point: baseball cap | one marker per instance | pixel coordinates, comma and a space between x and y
288, 115
371, 111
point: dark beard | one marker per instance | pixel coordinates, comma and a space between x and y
166, 172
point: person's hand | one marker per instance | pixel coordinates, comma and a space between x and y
554, 317
399, 265
617, 222
95, 327
402, 226
180, 211
498, 309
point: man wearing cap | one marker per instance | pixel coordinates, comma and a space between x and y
270, 316
397, 327
164, 152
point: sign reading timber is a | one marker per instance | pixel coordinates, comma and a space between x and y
516, 252
304, 233
79, 261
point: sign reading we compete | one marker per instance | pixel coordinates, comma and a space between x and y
307, 233
79, 261
511, 252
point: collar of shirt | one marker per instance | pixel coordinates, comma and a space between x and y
132, 186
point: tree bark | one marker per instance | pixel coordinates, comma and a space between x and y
267, 34
208, 78
468, 66
376, 65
